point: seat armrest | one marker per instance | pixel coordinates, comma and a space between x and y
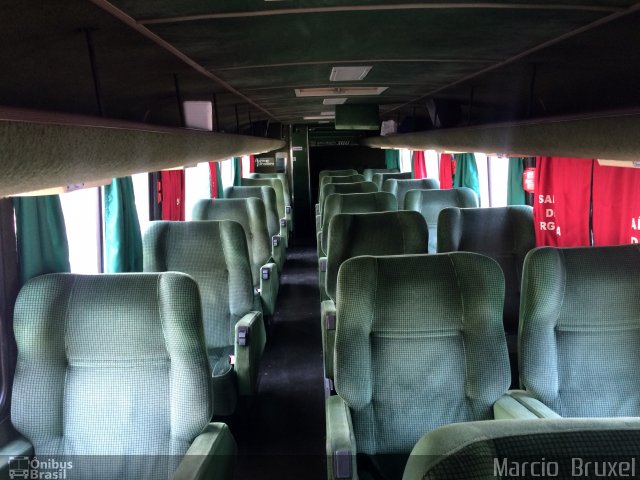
317, 209
289, 216
508, 408
18, 447
284, 231
328, 323
318, 223
211, 455
269, 286
319, 244
322, 278
278, 251
341, 442
536, 407
250, 340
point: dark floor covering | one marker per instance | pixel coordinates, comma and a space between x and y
284, 439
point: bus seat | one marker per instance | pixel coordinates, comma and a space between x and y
379, 178
330, 188
559, 448
336, 173
284, 210
288, 199
400, 187
579, 321
430, 202
337, 179
215, 254
353, 203
351, 235
370, 172
112, 374
268, 196
250, 213
419, 344
505, 234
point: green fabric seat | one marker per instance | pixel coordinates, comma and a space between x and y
250, 213
353, 203
430, 202
400, 187
336, 179
370, 172
419, 344
215, 254
578, 341
351, 235
112, 375
268, 196
288, 199
336, 173
561, 448
284, 210
331, 188
505, 234
380, 178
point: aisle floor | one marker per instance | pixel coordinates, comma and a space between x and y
285, 438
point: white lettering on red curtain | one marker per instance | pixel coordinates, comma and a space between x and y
561, 208
616, 205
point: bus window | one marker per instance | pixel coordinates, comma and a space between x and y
226, 172
84, 233
498, 180
432, 164
197, 186
141, 192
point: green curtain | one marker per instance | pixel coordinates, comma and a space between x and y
515, 193
237, 171
392, 158
466, 172
123, 241
41, 236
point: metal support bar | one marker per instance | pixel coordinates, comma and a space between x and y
176, 84
88, 35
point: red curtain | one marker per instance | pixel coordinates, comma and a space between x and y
252, 163
616, 205
446, 171
419, 167
562, 198
172, 194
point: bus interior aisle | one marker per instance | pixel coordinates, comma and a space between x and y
284, 437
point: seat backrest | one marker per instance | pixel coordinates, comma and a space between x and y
419, 344
379, 178
337, 179
400, 187
578, 342
370, 172
276, 184
358, 187
490, 450
336, 173
215, 255
283, 178
383, 233
268, 196
430, 202
354, 203
248, 212
505, 234
111, 365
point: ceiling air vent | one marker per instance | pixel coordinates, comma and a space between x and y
348, 74
339, 91
334, 101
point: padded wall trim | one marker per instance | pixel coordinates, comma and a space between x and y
43, 150
610, 136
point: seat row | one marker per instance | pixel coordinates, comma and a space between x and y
419, 344
149, 359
